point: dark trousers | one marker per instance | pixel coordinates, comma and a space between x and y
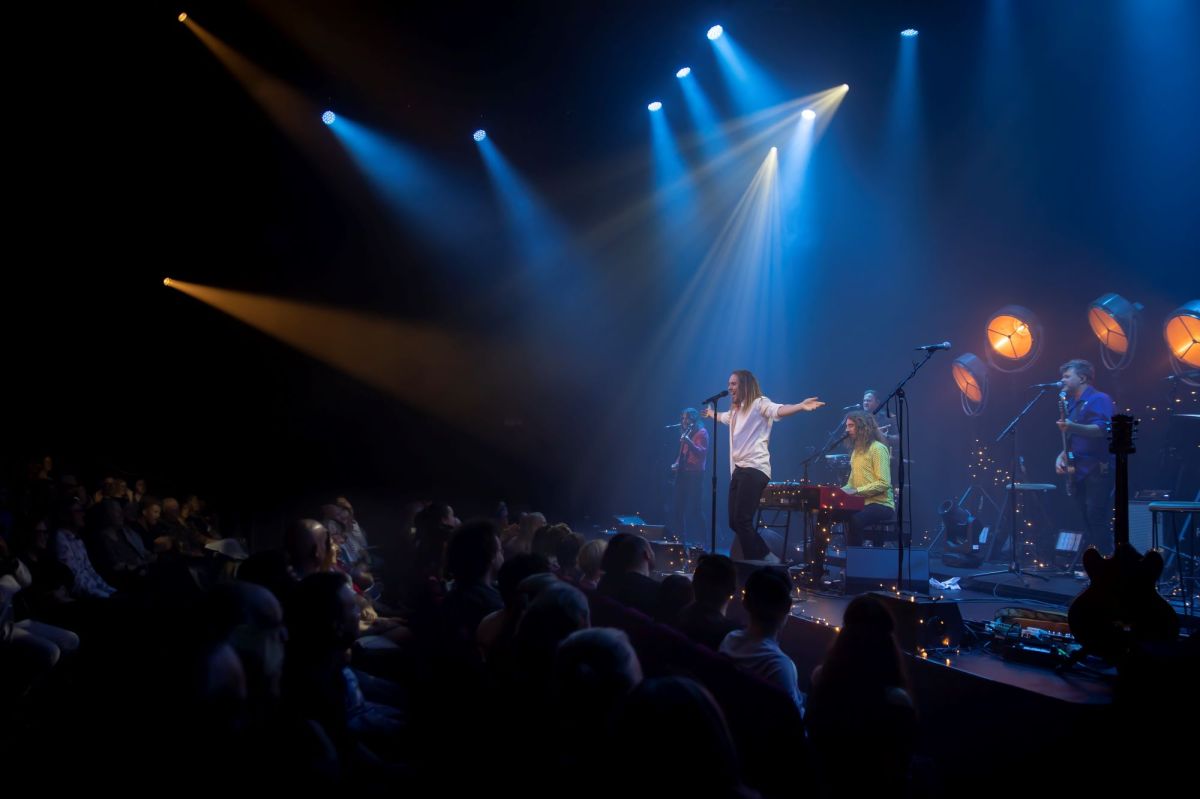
745, 490
871, 514
1094, 497
686, 520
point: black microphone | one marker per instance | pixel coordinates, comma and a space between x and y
715, 397
945, 345
1055, 384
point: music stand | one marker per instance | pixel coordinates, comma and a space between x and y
1014, 565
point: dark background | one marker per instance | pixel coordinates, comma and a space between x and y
1047, 155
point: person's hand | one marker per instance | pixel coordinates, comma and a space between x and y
1060, 463
707, 413
811, 404
1063, 426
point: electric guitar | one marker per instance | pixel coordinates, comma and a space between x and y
1069, 483
1121, 608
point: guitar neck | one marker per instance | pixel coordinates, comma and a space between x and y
1062, 417
1122, 428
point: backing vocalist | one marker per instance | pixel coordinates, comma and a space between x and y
689, 466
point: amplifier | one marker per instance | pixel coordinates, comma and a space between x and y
1140, 528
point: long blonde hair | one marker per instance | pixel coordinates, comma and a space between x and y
866, 430
748, 388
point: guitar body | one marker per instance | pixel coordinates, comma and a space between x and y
1121, 609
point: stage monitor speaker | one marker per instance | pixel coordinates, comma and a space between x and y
924, 623
1140, 526
655, 532
872, 568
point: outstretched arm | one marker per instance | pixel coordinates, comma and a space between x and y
810, 404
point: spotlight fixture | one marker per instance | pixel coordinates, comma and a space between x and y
683, 73
1114, 320
654, 106
328, 117
715, 32
479, 135
958, 526
908, 33
809, 114
183, 17
1181, 331
970, 375
1014, 338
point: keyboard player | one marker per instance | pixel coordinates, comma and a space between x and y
870, 475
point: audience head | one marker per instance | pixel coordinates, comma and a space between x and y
567, 553
591, 559
547, 538
627, 552
714, 581
865, 653
307, 544
674, 594
514, 571
250, 618
678, 720
768, 598
558, 610
594, 670
473, 554
151, 512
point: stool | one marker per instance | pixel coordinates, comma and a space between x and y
884, 534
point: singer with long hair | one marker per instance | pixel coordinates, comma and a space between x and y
870, 475
750, 419
689, 466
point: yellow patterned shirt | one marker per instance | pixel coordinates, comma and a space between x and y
871, 474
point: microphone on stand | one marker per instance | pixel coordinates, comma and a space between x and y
715, 397
673, 426
853, 407
945, 345
1055, 384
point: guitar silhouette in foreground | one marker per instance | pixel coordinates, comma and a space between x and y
1121, 609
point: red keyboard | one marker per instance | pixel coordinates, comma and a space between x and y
809, 496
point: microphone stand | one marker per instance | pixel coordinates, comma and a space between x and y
901, 412
1014, 565
712, 448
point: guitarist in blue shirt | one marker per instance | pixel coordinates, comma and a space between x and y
1088, 412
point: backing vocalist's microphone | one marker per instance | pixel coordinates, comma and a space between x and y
715, 397
673, 426
853, 407
1055, 384
945, 345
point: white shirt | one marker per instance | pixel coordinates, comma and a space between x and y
750, 435
764, 658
